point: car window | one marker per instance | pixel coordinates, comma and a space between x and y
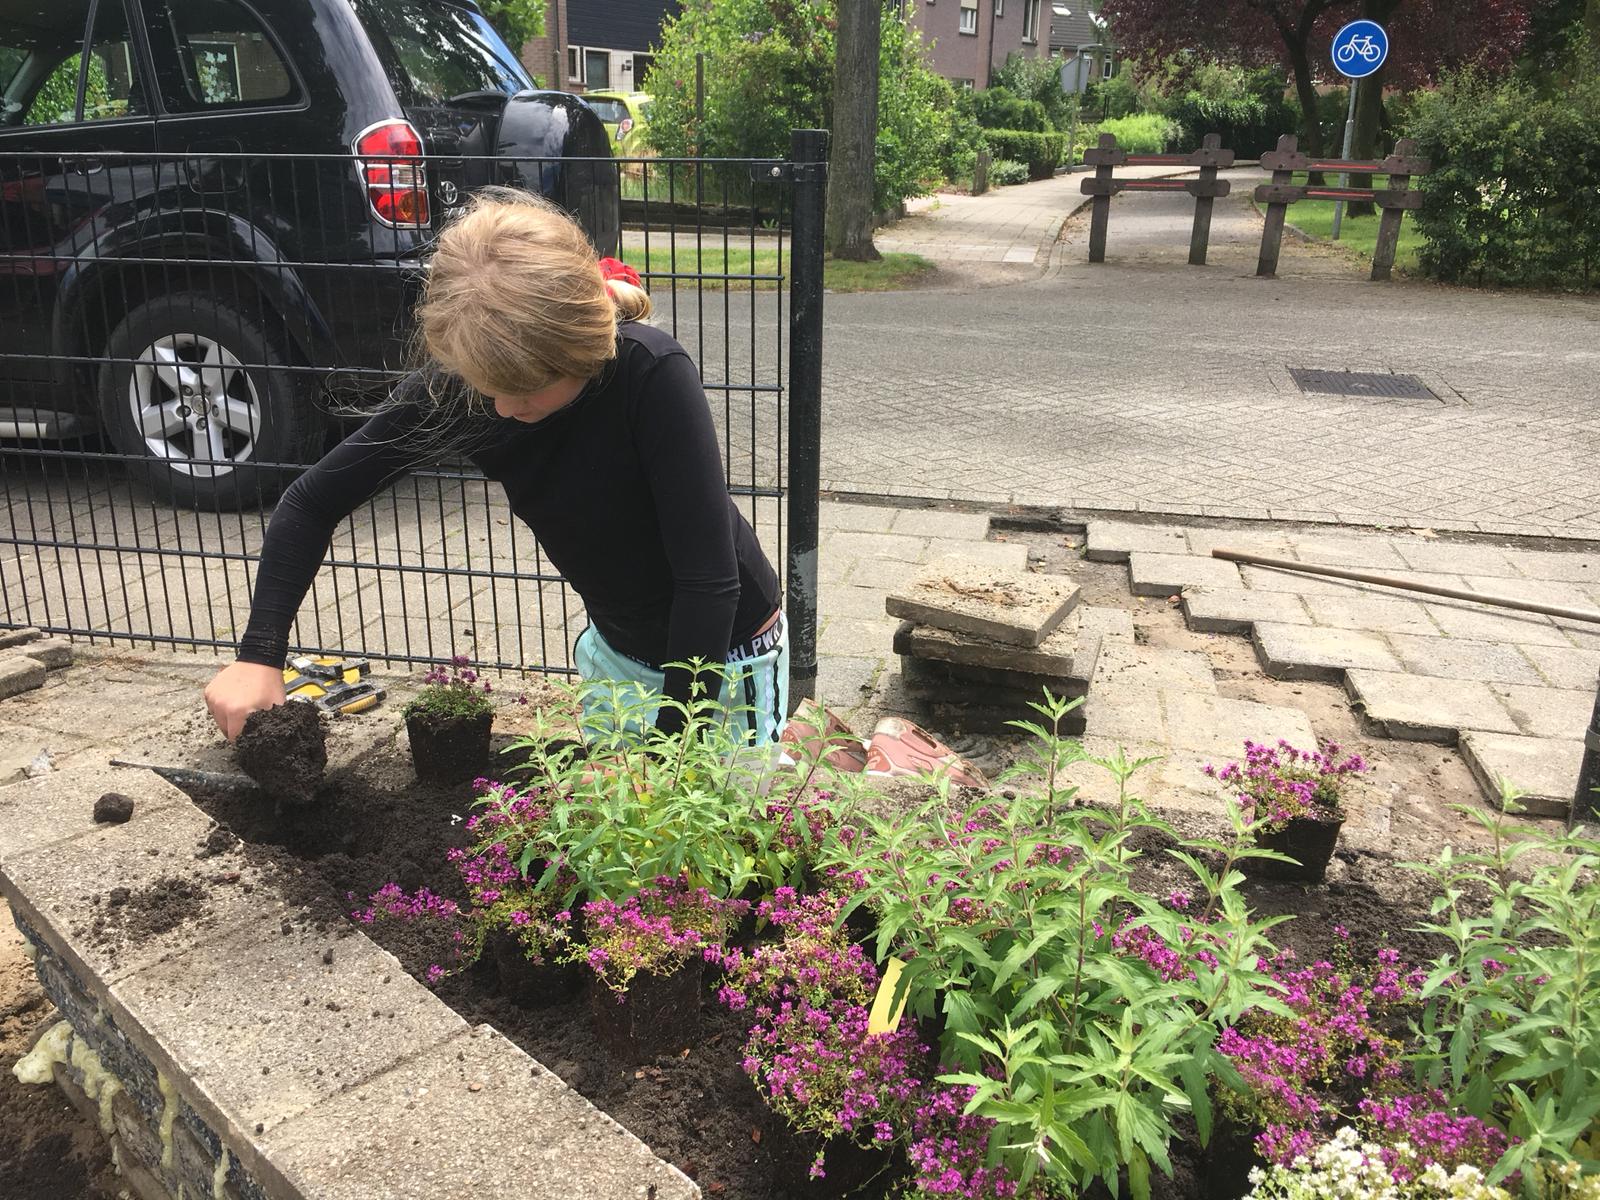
435, 52
609, 111
225, 57
112, 85
40, 60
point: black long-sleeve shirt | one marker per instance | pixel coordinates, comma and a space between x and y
624, 489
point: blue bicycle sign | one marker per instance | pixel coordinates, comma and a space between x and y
1360, 48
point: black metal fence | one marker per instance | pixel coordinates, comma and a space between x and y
180, 336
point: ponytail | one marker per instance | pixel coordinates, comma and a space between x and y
627, 292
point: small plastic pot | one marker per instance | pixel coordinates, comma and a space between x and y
658, 1015
449, 749
848, 1169
527, 983
1310, 843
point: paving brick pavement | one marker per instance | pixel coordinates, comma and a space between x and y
1515, 690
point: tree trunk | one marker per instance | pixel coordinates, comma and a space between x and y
855, 131
1306, 88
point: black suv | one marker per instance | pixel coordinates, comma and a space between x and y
213, 212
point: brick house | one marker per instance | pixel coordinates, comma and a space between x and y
597, 45
968, 39
1078, 38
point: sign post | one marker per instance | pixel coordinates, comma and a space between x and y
1358, 50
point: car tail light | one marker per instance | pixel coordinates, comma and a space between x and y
623, 126
396, 190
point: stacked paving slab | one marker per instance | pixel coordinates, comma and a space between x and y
26, 655
979, 645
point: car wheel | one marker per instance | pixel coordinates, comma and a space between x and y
199, 390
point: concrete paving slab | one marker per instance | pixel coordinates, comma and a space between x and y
22, 747
1271, 579
1459, 658
1574, 567
1013, 607
1566, 666
885, 574
1152, 574
960, 679
261, 1025
861, 518
1234, 610
1361, 553
1112, 541
1312, 652
1476, 622
1548, 712
895, 546
1220, 725
1123, 666
88, 704
1419, 708
1454, 558
863, 637
40, 812
54, 888
1112, 624
1544, 769
1376, 614
999, 556
940, 523
849, 600
1059, 655
844, 681
436, 1126
18, 637
19, 673
1536, 591
1125, 716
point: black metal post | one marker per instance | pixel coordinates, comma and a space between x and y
1586, 802
808, 163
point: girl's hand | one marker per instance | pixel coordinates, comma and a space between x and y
239, 690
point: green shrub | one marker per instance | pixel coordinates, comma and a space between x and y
1514, 194
1142, 133
1247, 125
1006, 171
769, 69
1119, 96
1042, 152
960, 139
997, 108
1038, 79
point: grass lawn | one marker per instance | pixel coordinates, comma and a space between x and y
892, 273
1359, 234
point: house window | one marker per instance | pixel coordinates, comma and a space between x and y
575, 64
969, 16
1106, 71
1030, 20
999, 9
597, 68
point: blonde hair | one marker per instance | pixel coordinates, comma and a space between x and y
515, 299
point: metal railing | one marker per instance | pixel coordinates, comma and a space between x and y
135, 509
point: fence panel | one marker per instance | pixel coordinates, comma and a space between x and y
179, 337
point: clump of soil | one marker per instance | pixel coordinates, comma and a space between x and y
150, 911
285, 750
113, 808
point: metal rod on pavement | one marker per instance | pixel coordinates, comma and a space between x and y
1349, 142
1409, 585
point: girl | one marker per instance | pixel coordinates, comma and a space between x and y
602, 438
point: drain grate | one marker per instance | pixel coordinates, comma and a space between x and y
1361, 383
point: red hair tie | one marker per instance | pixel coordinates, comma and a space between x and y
615, 268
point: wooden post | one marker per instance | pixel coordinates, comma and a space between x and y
1281, 164
1586, 801
1200, 238
1100, 216
1389, 223
980, 173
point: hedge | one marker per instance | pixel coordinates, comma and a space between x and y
1514, 194
1247, 125
1041, 151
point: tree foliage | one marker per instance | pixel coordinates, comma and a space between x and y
770, 68
518, 21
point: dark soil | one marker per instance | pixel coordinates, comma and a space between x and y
113, 808
157, 908
285, 750
695, 1107
450, 748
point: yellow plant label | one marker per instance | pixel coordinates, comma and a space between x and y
881, 1019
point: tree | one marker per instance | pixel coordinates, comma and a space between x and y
851, 165
1425, 38
518, 21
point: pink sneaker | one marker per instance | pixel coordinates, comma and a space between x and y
846, 751
900, 748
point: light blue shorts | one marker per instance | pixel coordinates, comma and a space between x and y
756, 690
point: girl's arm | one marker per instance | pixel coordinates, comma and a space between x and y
678, 445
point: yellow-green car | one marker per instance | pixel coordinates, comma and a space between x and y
626, 115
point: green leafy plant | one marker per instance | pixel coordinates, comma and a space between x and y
1508, 1030
453, 691
1082, 1013
1003, 172
1042, 152
1142, 133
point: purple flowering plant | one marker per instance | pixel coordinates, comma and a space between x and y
453, 690
1507, 1023
1080, 1013
656, 931
1277, 784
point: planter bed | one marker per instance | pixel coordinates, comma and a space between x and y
695, 1108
